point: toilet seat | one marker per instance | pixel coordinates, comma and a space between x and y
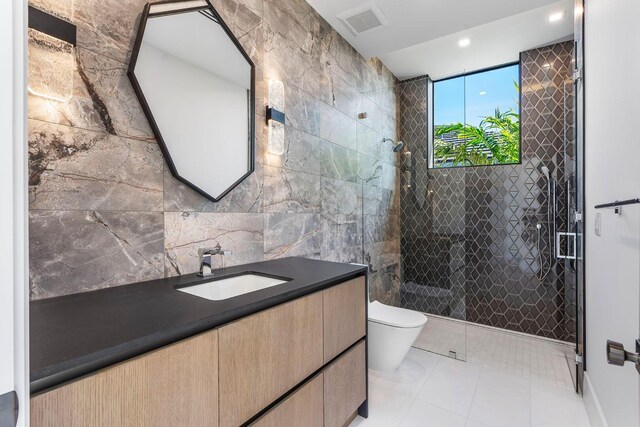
395, 316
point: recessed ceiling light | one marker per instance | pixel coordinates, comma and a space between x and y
556, 16
464, 42
483, 93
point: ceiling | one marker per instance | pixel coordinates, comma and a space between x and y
422, 35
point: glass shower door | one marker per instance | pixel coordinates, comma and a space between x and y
432, 225
579, 190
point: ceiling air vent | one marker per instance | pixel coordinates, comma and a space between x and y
363, 18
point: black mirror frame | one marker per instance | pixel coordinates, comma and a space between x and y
147, 110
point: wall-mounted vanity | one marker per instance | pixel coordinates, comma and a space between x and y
147, 354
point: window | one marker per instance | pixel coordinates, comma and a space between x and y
476, 119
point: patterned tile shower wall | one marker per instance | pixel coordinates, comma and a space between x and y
104, 211
469, 242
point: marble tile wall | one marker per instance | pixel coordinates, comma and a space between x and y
105, 211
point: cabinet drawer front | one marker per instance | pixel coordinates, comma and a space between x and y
302, 408
344, 316
176, 385
265, 355
344, 386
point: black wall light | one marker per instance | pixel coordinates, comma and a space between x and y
52, 25
276, 118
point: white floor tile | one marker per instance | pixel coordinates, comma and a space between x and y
509, 380
473, 423
422, 414
386, 408
501, 400
556, 407
410, 375
451, 386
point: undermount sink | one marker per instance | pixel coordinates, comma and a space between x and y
229, 287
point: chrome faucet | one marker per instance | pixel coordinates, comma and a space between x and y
206, 259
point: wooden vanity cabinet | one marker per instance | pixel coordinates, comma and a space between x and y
265, 355
304, 407
345, 386
173, 386
227, 376
345, 318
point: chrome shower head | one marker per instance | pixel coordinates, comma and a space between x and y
397, 146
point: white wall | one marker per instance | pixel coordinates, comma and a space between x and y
13, 293
612, 156
6, 216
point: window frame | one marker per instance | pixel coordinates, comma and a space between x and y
431, 115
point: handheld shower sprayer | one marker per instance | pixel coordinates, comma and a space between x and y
545, 171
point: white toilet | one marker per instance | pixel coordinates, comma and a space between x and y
392, 330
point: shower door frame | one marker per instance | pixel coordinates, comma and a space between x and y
579, 220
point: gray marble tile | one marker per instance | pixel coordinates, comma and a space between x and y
369, 142
340, 197
75, 169
242, 17
380, 228
341, 237
256, 6
246, 197
302, 110
287, 191
374, 113
80, 251
337, 127
384, 271
390, 178
299, 31
342, 58
389, 127
302, 152
336, 92
338, 162
185, 233
103, 100
370, 170
292, 235
57, 8
378, 201
108, 27
285, 62
299, 9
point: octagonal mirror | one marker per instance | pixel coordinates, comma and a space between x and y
196, 86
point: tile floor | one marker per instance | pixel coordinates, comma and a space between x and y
543, 360
508, 381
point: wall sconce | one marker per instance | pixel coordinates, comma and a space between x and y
52, 44
276, 117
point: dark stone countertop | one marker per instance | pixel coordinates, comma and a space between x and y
78, 334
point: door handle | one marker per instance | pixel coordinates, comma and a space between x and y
617, 355
574, 239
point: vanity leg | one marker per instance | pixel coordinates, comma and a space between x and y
363, 410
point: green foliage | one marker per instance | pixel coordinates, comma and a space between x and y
495, 141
